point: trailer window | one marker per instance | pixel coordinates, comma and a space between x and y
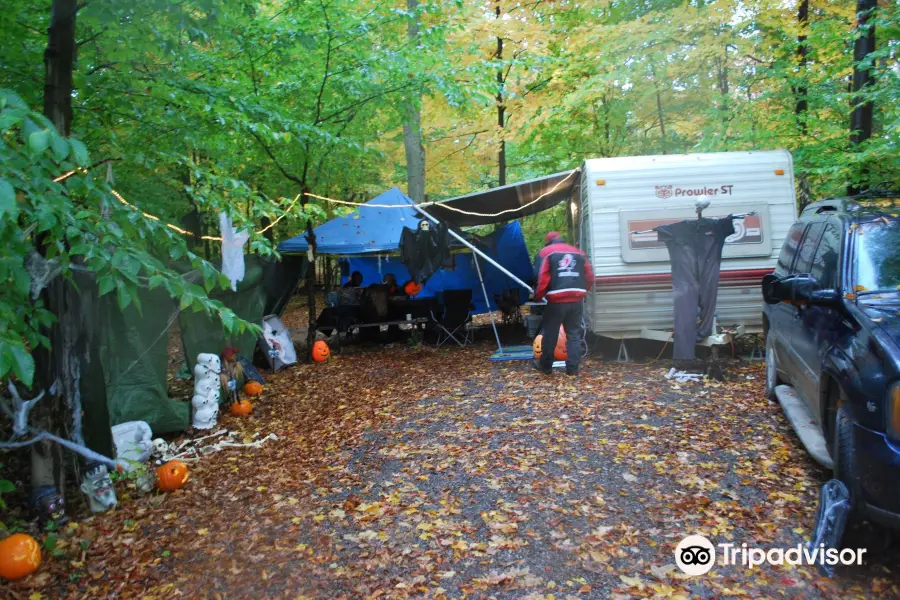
789, 249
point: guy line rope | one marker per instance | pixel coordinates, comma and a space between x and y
185, 232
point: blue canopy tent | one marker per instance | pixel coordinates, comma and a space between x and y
506, 245
369, 241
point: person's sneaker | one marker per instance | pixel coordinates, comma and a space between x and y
537, 365
572, 372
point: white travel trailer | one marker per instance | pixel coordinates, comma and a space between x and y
632, 294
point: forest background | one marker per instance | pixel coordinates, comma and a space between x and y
190, 108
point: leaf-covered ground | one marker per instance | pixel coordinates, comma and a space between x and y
434, 473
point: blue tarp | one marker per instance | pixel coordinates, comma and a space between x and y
377, 230
366, 230
505, 245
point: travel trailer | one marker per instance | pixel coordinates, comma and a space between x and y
622, 199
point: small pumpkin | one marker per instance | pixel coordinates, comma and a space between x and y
320, 351
559, 352
172, 475
412, 288
20, 555
241, 408
253, 388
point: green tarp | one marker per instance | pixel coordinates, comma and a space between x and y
203, 333
134, 355
132, 346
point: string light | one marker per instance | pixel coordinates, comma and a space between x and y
213, 238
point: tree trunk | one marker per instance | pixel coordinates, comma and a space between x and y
861, 117
59, 61
659, 108
60, 363
501, 159
801, 109
412, 127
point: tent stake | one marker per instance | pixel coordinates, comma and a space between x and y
488, 302
476, 251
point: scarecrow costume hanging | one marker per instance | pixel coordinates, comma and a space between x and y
695, 250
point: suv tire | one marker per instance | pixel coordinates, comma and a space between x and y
844, 458
772, 379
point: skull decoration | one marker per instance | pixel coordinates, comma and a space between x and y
98, 487
424, 225
160, 449
50, 506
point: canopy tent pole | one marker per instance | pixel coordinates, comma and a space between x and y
487, 302
466, 243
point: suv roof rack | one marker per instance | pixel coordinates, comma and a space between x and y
870, 202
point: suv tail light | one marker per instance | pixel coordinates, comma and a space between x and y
893, 411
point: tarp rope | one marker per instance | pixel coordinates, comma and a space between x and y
444, 205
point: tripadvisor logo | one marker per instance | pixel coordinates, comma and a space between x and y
696, 555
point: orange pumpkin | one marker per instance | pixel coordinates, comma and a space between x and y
320, 351
241, 408
253, 388
172, 475
20, 555
559, 352
412, 288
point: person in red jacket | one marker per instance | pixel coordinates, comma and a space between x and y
564, 276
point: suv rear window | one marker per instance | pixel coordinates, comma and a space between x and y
878, 256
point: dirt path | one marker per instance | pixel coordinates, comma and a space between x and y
422, 473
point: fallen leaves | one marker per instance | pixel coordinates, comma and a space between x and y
421, 473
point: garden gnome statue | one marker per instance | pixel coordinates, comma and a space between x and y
206, 390
98, 487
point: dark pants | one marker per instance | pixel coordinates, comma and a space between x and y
570, 316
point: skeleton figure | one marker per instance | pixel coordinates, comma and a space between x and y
160, 450
98, 487
50, 506
206, 391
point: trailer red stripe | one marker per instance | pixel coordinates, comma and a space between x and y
733, 278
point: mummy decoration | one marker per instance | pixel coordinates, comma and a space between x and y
98, 487
206, 391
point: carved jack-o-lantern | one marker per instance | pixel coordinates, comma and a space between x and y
172, 476
20, 555
559, 352
321, 352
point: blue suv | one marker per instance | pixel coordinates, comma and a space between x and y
832, 327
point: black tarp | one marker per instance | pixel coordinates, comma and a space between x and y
509, 201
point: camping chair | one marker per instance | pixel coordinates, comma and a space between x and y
455, 318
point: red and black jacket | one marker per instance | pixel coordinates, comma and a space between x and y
564, 274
